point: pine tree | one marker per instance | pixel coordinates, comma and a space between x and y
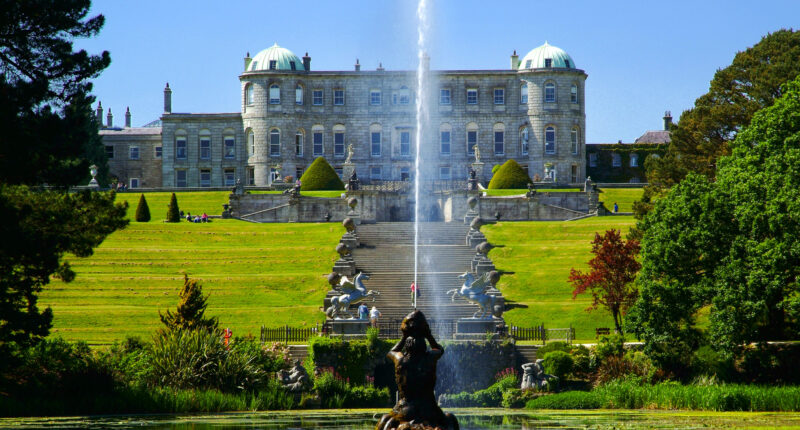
142, 210
173, 213
191, 309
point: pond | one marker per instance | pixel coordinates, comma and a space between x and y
468, 419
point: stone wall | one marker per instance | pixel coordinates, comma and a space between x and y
544, 206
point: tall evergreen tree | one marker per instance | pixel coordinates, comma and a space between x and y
142, 210
173, 213
190, 314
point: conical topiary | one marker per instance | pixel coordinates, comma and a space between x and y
142, 210
173, 213
509, 176
320, 176
190, 314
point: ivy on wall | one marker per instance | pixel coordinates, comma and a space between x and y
604, 171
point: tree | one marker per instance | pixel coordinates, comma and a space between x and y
49, 132
730, 246
173, 213
320, 176
509, 176
610, 282
190, 314
142, 210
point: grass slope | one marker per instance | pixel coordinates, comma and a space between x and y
624, 197
254, 274
541, 254
195, 202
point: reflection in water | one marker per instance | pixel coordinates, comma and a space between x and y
470, 419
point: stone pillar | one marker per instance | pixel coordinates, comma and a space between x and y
167, 99
478, 168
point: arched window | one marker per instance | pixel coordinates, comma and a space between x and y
375, 139
274, 94
524, 137
299, 139
573, 93
550, 140
550, 92
317, 139
274, 142
205, 144
444, 139
523, 93
499, 138
338, 140
472, 137
249, 94
298, 94
251, 143
575, 141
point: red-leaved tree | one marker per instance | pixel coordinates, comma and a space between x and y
610, 282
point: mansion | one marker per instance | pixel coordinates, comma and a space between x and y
532, 112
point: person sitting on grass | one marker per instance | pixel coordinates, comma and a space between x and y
204, 218
189, 216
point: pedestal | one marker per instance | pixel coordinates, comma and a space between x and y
475, 238
345, 266
350, 240
352, 327
355, 216
478, 168
347, 171
468, 328
484, 266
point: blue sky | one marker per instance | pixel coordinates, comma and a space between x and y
642, 57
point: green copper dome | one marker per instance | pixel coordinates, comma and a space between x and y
275, 58
538, 58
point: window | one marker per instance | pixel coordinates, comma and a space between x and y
274, 94
549, 92
404, 174
273, 64
573, 93
616, 160
317, 98
205, 147
375, 97
229, 175
298, 144
205, 178
292, 65
524, 136
180, 178
338, 140
316, 138
229, 147
593, 159
444, 142
375, 173
134, 183
523, 94
444, 173
573, 174
566, 64
298, 172
251, 143
180, 148
548, 62
403, 96
274, 143
528, 64
405, 143
444, 96
472, 96
338, 97
634, 160
375, 143
574, 146
550, 140
472, 137
110, 152
158, 151
298, 94
249, 97
499, 144
251, 176
499, 96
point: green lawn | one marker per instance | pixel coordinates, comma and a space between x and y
254, 273
541, 254
624, 197
195, 202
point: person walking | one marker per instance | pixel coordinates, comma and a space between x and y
374, 314
616, 208
362, 312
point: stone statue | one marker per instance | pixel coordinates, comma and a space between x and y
352, 292
350, 152
296, 379
474, 291
477, 154
534, 377
415, 374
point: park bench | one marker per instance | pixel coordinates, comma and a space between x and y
602, 331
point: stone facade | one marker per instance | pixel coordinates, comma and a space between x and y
134, 155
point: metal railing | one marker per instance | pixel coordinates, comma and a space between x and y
287, 334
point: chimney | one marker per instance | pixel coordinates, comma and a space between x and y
358, 66
247, 61
128, 117
667, 120
514, 60
99, 114
426, 61
109, 119
307, 62
167, 99
380, 67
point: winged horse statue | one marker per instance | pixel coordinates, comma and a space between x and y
352, 292
474, 291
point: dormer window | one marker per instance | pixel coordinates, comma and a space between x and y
293, 67
273, 65
566, 62
528, 64
548, 62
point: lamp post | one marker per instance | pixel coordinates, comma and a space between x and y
93, 183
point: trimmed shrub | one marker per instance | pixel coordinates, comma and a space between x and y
142, 210
509, 176
320, 176
568, 400
557, 363
173, 213
553, 346
491, 397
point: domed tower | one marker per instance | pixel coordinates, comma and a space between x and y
269, 94
556, 126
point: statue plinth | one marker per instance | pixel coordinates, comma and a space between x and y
349, 327
478, 168
471, 327
345, 266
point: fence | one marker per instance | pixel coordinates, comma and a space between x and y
287, 334
542, 334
